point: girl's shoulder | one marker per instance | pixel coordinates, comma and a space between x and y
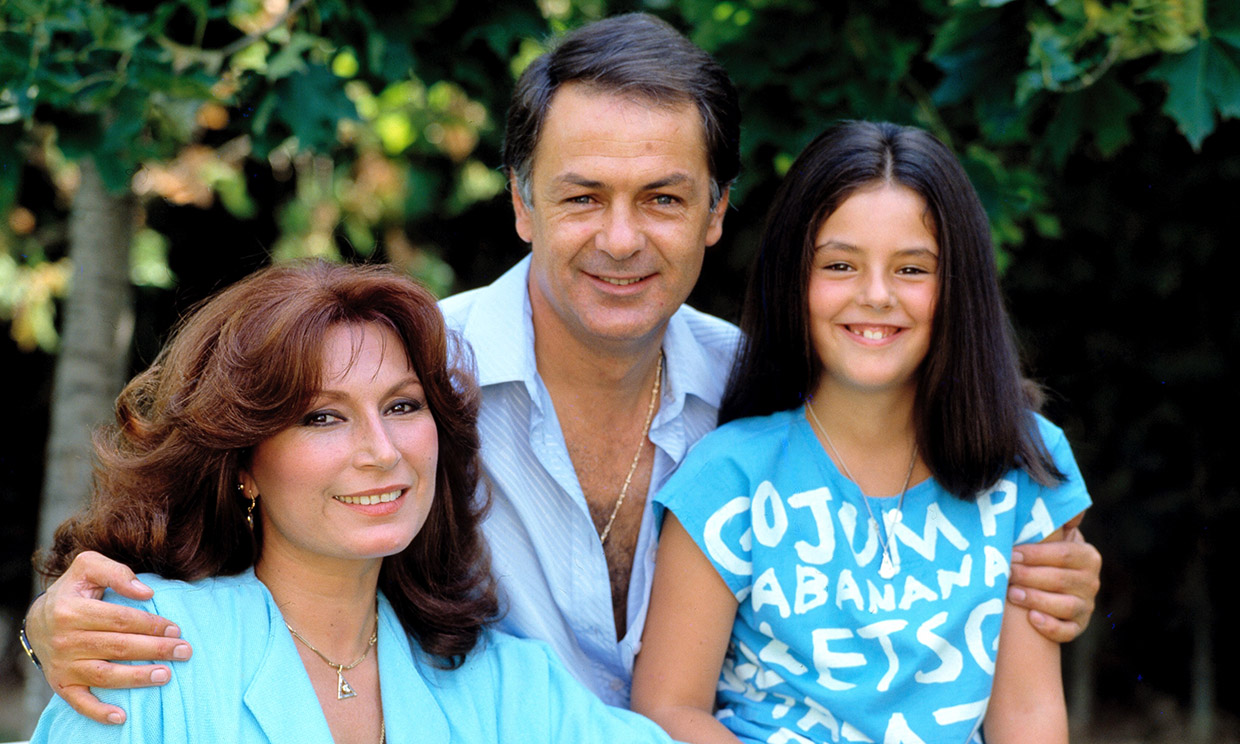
746, 434
1057, 446
733, 458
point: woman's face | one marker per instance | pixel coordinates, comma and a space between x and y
873, 285
354, 479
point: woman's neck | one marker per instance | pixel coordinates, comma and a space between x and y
332, 607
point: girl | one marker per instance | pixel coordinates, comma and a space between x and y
833, 561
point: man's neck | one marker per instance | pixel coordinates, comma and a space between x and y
602, 395
614, 374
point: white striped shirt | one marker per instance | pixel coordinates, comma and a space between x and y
545, 551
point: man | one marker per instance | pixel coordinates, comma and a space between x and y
621, 145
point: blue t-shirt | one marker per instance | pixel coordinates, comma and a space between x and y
823, 648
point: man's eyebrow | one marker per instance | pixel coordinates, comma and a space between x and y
576, 179
675, 179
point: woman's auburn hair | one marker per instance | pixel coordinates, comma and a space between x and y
974, 412
245, 365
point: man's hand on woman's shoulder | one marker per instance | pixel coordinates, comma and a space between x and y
77, 636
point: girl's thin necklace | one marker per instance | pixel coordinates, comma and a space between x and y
889, 567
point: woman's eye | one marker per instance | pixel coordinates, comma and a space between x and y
406, 406
319, 418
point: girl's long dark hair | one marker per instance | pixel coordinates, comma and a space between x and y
244, 366
974, 411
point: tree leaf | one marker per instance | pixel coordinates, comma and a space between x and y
1201, 83
310, 104
1102, 111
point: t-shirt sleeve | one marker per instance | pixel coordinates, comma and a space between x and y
710, 495
1044, 509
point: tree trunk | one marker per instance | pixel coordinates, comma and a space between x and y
93, 359
1082, 679
1201, 690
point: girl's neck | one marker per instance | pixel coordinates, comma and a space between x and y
865, 418
331, 606
872, 434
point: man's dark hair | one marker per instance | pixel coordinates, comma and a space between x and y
637, 55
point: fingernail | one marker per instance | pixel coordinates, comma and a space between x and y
159, 676
115, 717
1036, 617
138, 585
180, 652
172, 631
1016, 594
1017, 557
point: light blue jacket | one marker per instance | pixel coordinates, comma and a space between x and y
246, 683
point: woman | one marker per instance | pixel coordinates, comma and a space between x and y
298, 467
840, 545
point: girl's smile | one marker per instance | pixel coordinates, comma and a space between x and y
872, 290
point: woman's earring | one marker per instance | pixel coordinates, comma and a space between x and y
249, 512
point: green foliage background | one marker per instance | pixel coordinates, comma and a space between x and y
1102, 137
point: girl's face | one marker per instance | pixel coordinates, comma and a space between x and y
873, 285
354, 480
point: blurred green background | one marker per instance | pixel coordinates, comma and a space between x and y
153, 152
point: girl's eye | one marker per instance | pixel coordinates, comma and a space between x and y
836, 266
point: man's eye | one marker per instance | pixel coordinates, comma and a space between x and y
584, 199
665, 200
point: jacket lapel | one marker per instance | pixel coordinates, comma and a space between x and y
410, 709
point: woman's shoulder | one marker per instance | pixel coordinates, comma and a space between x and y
235, 591
516, 689
495, 656
211, 609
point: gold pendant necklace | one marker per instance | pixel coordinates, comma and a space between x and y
641, 446
344, 690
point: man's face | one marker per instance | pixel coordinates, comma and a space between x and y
620, 216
